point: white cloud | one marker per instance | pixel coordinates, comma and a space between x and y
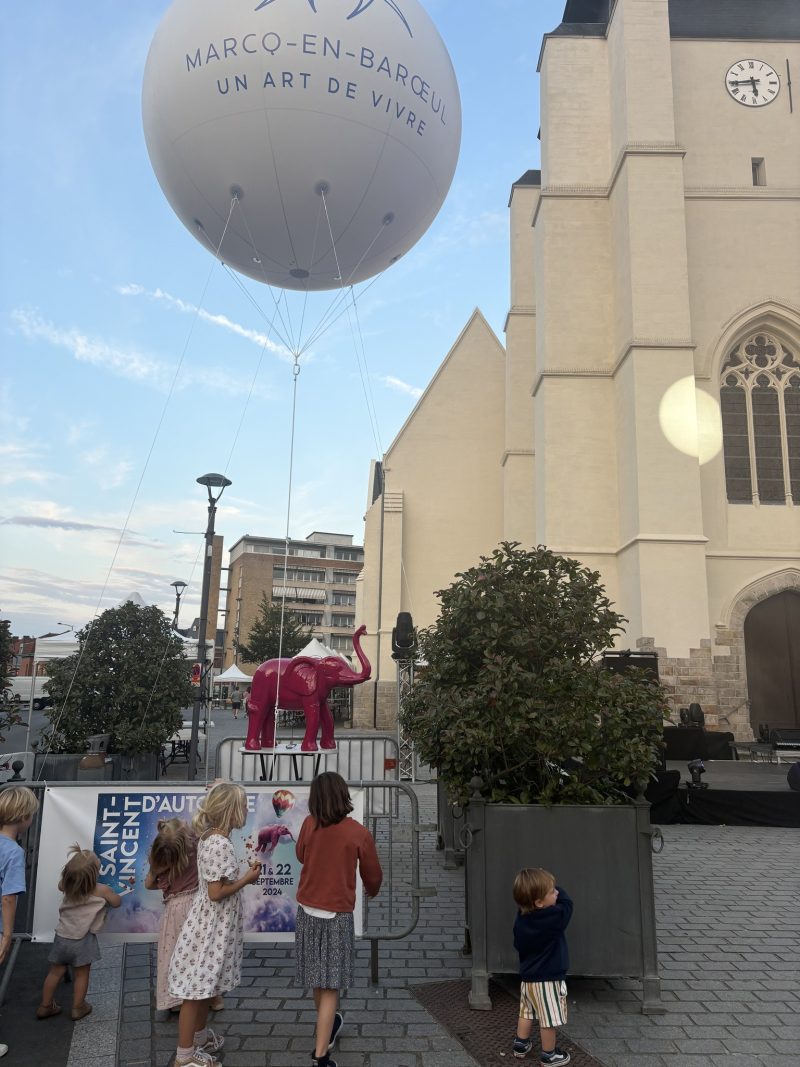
262, 340
77, 431
21, 463
400, 386
128, 363
111, 472
10, 419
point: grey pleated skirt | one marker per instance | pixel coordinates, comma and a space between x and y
324, 951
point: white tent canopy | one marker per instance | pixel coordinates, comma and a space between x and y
231, 676
318, 650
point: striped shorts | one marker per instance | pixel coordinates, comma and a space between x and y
544, 1001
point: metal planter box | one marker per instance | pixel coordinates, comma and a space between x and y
601, 854
449, 826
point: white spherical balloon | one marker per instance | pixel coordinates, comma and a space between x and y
322, 117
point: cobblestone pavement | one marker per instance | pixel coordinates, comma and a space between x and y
729, 957
729, 941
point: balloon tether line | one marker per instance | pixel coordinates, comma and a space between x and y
54, 728
295, 376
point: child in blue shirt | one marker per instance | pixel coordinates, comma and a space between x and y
18, 805
544, 912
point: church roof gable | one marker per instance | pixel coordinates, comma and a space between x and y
477, 319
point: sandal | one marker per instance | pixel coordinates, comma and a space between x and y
47, 1011
81, 1011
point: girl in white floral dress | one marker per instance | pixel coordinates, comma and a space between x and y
207, 960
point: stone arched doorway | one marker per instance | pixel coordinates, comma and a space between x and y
772, 651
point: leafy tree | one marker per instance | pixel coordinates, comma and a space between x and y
263, 641
511, 691
9, 716
129, 678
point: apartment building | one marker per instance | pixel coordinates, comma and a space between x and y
319, 578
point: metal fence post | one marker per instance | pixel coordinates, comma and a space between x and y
476, 895
651, 983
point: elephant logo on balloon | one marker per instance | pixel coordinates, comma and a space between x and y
302, 683
359, 9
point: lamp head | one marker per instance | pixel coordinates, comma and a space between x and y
404, 637
697, 769
178, 587
214, 481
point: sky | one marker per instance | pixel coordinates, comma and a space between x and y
105, 297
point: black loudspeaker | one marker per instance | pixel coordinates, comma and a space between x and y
793, 777
404, 637
620, 662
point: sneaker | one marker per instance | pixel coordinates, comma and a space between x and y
522, 1046
3, 1050
323, 1061
556, 1056
81, 1011
338, 1023
213, 1043
198, 1058
47, 1011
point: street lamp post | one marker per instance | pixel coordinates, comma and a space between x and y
220, 482
179, 587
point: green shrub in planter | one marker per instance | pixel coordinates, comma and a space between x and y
129, 678
512, 691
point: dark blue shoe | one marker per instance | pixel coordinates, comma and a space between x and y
338, 1023
522, 1046
557, 1056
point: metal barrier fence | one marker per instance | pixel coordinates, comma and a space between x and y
391, 812
357, 757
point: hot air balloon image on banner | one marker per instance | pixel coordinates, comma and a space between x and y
283, 800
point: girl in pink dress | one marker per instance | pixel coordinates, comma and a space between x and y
173, 870
207, 959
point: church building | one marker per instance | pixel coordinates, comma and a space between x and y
643, 414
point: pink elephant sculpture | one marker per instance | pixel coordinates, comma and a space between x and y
305, 682
270, 836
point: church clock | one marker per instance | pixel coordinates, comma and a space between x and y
752, 82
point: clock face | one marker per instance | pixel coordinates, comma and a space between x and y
752, 82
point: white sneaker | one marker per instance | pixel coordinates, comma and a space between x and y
214, 1043
3, 1050
199, 1058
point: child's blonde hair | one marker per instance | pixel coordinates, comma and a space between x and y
79, 876
17, 803
530, 885
223, 808
171, 848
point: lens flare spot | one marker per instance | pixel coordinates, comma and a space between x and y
690, 420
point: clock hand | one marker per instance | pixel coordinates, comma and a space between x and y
755, 87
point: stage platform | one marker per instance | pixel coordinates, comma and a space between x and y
739, 794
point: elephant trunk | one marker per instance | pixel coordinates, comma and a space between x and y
366, 666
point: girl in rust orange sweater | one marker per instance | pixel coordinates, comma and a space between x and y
331, 847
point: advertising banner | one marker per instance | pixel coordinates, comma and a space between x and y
119, 822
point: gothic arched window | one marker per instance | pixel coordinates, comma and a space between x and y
760, 402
